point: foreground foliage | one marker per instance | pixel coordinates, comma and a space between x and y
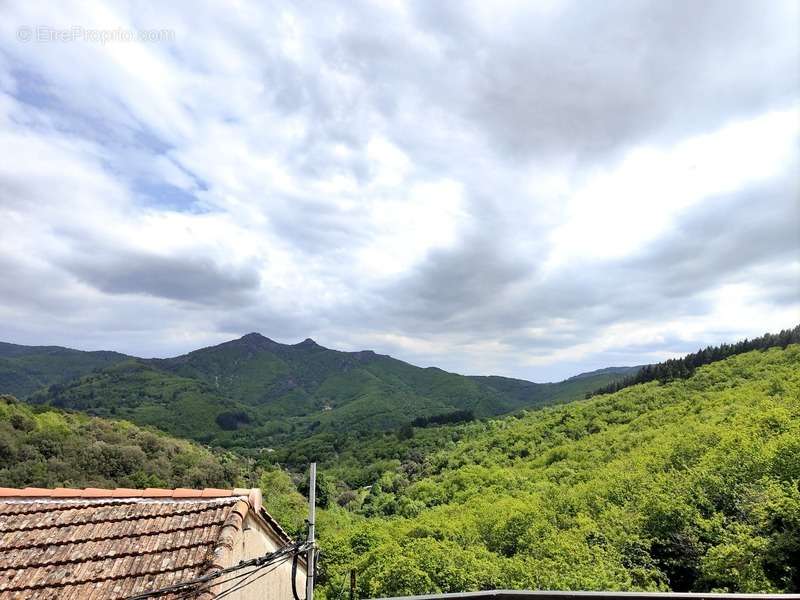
690, 485
52, 448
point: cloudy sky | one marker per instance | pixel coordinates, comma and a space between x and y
531, 189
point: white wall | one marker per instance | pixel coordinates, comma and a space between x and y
256, 541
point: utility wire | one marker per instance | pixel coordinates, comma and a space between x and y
194, 591
195, 588
244, 583
238, 581
294, 577
196, 584
344, 584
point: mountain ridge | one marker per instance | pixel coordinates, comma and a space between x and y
255, 392
25, 369
257, 339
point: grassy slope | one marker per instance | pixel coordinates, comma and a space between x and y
692, 485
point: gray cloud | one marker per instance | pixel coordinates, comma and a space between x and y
258, 136
191, 279
587, 82
726, 236
475, 292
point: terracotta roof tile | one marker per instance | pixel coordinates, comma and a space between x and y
32, 492
214, 492
97, 543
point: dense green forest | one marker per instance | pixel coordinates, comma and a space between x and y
680, 368
301, 401
688, 485
51, 448
26, 369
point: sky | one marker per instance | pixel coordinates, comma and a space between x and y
530, 189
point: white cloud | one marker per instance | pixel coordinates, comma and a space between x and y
619, 210
406, 228
466, 188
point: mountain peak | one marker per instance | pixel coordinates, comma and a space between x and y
253, 335
308, 343
255, 338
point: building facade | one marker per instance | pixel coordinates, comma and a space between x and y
125, 544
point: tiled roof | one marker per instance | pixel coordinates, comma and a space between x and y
32, 492
86, 544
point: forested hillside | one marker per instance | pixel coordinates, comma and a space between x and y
50, 448
137, 391
303, 401
681, 368
688, 485
25, 369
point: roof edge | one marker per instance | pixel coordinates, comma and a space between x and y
232, 529
221, 556
253, 497
252, 494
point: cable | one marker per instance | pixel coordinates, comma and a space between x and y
276, 559
308, 566
196, 588
294, 576
344, 584
196, 584
239, 581
193, 592
245, 583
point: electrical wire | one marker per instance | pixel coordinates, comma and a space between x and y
344, 584
235, 580
294, 577
245, 583
198, 584
194, 591
238, 581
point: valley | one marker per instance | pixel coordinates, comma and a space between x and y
435, 482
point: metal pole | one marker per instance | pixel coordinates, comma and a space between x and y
312, 515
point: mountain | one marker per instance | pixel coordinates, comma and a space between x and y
689, 485
681, 368
25, 369
684, 485
254, 392
137, 391
610, 371
576, 386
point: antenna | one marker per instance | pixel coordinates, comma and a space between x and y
312, 514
